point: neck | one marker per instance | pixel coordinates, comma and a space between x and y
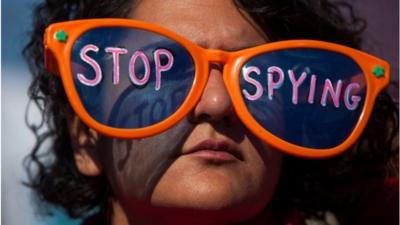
120, 217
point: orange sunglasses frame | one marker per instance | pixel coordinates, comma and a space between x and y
57, 61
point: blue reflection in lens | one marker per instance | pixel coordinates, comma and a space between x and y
306, 124
127, 105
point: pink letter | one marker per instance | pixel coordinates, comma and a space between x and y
355, 99
328, 87
271, 83
312, 89
132, 73
246, 77
91, 62
115, 53
159, 67
296, 84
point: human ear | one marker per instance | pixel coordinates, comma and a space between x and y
84, 141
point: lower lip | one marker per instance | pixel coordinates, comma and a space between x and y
219, 156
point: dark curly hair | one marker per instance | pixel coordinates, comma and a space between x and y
307, 186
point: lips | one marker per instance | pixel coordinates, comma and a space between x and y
216, 150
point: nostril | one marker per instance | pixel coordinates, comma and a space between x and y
225, 121
201, 118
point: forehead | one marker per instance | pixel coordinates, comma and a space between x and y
209, 23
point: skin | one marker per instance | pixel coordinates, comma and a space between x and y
153, 180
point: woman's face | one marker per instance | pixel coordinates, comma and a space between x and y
209, 167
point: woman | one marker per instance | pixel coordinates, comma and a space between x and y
208, 168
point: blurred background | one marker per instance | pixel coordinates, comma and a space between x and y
17, 140
381, 39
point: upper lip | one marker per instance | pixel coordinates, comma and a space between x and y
217, 145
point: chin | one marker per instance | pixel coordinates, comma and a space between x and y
201, 211
212, 197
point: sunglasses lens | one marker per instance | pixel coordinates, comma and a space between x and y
308, 97
130, 78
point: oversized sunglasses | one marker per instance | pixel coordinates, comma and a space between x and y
131, 79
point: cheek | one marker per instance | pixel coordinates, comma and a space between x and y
264, 163
122, 169
272, 160
134, 167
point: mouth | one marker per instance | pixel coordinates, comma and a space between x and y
216, 151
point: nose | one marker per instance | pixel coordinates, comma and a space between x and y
215, 103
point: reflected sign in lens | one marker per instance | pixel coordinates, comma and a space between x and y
130, 78
308, 97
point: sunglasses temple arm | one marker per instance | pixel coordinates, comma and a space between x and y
50, 62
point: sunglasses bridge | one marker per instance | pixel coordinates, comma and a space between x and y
216, 56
